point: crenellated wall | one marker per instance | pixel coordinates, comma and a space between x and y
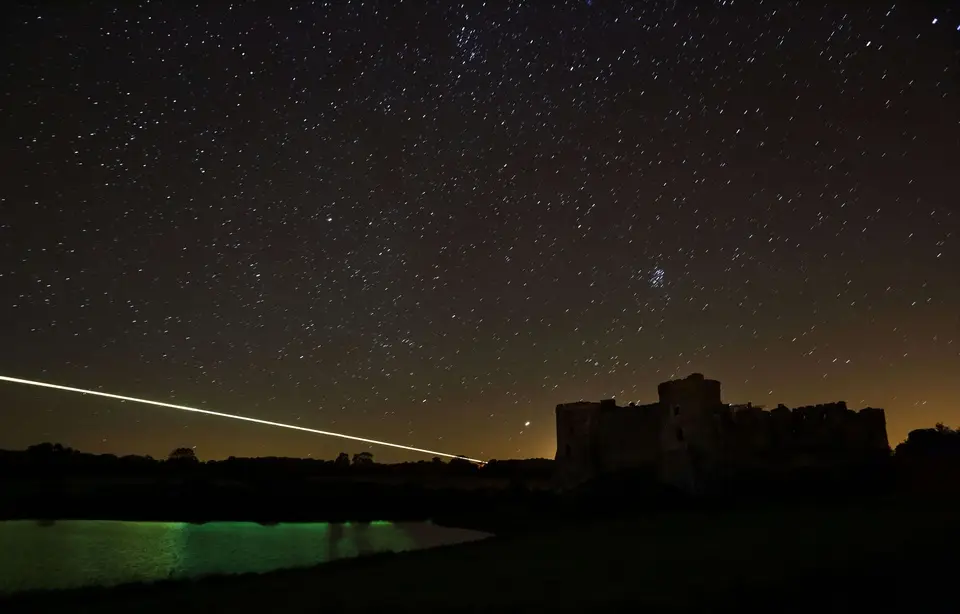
813, 434
690, 435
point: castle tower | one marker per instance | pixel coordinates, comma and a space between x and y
690, 443
577, 425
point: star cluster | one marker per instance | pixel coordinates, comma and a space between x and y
431, 222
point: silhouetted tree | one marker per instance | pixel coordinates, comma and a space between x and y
41, 449
363, 458
460, 465
183, 455
929, 460
52, 450
940, 441
343, 460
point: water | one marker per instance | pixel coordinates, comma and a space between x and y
74, 553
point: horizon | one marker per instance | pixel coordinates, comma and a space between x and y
201, 459
369, 444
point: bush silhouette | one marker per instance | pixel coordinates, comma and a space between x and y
183, 455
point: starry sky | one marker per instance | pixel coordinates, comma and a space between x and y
430, 222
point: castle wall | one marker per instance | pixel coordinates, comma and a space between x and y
576, 425
810, 435
629, 437
690, 437
873, 421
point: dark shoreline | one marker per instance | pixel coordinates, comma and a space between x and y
827, 557
492, 511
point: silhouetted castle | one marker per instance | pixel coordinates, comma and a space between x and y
690, 436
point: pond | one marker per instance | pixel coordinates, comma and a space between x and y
75, 553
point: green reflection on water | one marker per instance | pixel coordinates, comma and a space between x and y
33, 553
73, 553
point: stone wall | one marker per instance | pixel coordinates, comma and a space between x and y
628, 437
576, 438
690, 437
805, 436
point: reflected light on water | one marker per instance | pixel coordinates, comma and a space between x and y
74, 553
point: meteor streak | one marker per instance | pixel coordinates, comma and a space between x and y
16, 380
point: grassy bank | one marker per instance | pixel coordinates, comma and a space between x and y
775, 558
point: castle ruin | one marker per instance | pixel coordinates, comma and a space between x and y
690, 437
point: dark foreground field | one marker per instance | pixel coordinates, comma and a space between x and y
840, 557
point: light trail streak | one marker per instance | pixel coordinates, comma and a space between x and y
28, 382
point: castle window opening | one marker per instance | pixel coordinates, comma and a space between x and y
676, 410
679, 434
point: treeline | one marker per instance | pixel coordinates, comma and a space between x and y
54, 459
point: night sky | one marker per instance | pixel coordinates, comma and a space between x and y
431, 222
